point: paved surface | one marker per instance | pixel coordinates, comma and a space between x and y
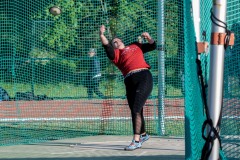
97, 148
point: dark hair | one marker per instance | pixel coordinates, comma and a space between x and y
113, 39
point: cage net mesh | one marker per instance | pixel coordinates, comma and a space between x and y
51, 88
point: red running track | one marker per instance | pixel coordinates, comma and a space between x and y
83, 108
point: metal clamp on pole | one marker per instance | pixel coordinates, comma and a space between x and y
202, 47
222, 39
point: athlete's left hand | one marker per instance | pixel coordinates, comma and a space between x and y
146, 35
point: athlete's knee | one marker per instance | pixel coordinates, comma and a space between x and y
137, 110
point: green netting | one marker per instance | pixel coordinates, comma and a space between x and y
194, 113
46, 70
230, 120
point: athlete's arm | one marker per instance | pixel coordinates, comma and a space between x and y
108, 48
151, 45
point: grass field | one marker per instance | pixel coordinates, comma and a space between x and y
31, 132
63, 90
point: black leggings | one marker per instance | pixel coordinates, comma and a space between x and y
138, 88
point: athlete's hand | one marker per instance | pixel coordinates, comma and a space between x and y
146, 35
102, 30
104, 40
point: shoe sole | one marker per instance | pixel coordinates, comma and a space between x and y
131, 149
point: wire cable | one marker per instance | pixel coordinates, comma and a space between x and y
221, 24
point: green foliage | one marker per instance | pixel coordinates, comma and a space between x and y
55, 47
172, 26
64, 30
42, 56
127, 16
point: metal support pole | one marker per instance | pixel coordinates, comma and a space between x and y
161, 67
215, 89
196, 18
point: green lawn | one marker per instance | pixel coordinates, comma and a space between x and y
30, 132
63, 90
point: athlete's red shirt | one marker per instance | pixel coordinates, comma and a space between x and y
130, 58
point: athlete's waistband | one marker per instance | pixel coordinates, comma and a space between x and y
136, 71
